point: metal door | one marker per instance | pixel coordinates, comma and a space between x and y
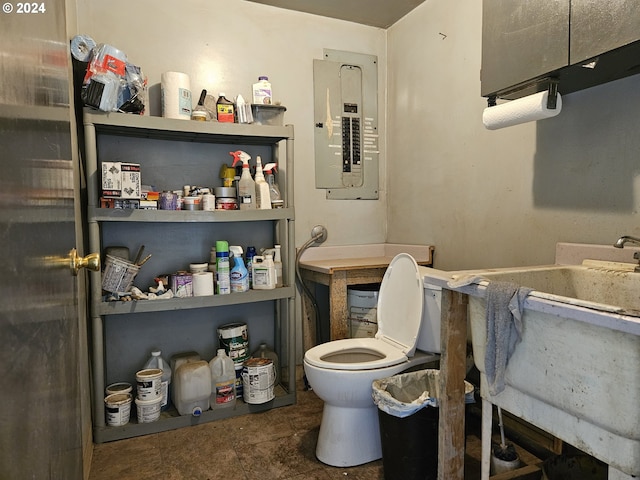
40, 336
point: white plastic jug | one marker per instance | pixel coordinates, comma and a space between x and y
156, 361
223, 381
192, 388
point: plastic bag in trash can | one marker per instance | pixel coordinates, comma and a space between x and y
403, 395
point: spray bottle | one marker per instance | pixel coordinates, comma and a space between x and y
239, 274
246, 185
274, 190
263, 198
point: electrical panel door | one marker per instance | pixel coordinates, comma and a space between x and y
346, 126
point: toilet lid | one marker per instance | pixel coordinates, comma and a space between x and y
400, 304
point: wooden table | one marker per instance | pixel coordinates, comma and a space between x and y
339, 273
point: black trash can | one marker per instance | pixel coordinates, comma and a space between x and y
408, 416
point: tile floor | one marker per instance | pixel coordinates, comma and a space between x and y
277, 444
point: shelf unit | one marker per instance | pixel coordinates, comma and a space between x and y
165, 148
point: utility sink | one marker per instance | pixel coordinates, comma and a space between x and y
576, 371
606, 286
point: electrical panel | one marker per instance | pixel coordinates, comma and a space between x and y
346, 125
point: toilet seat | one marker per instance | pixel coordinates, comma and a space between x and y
387, 354
399, 311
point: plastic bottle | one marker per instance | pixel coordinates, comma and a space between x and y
223, 279
223, 381
246, 185
262, 91
264, 351
264, 272
263, 198
239, 276
274, 190
243, 110
277, 262
251, 252
156, 361
225, 109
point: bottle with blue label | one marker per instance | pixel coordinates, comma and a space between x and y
239, 275
251, 252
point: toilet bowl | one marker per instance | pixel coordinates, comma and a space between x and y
341, 372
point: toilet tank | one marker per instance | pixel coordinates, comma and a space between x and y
429, 336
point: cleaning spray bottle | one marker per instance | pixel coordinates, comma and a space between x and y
246, 185
239, 274
263, 198
274, 190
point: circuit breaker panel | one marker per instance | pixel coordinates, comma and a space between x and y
346, 125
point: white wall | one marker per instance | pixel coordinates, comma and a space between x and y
499, 198
224, 45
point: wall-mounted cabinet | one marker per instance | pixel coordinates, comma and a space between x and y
173, 153
582, 43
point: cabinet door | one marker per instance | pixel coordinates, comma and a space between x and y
598, 27
522, 40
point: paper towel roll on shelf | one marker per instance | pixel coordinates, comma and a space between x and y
522, 110
175, 89
202, 284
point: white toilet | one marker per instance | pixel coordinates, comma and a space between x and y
341, 372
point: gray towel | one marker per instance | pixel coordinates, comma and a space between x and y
505, 302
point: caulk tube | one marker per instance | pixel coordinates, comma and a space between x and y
263, 199
246, 185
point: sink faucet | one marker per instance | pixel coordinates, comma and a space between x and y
620, 243
626, 239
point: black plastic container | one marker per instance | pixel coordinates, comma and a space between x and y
410, 445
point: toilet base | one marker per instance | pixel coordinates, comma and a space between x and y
339, 445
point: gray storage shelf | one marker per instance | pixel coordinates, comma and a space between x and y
186, 130
171, 420
179, 216
144, 306
117, 131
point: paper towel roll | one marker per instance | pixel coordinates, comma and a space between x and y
202, 284
522, 110
176, 95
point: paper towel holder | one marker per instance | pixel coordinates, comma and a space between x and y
552, 98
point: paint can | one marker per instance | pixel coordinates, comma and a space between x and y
239, 386
181, 284
208, 202
192, 203
234, 338
168, 201
120, 387
258, 379
148, 410
149, 384
118, 409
